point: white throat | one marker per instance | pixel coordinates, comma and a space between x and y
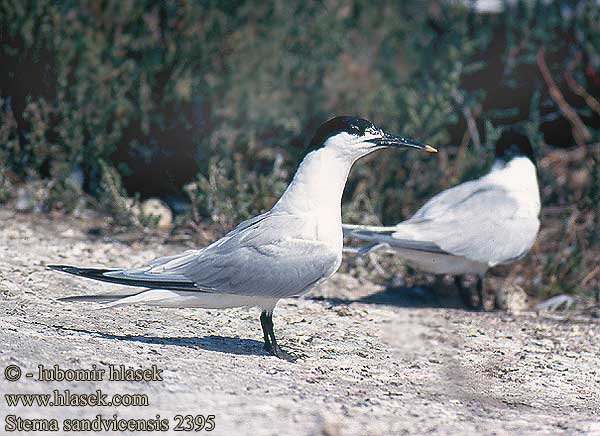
318, 184
315, 195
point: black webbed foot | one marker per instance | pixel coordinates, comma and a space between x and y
278, 352
271, 346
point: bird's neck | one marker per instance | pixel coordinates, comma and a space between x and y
318, 185
519, 177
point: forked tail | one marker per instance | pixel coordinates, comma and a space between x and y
122, 277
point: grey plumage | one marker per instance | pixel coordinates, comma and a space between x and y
458, 222
261, 257
473, 226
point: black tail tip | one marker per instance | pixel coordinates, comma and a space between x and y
96, 273
64, 268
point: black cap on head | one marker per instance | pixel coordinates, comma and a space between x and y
513, 143
352, 125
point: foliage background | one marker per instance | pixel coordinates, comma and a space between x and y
225, 94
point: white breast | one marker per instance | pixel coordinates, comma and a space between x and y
315, 195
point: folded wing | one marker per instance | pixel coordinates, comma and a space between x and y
483, 224
252, 260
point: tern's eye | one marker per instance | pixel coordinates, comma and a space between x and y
373, 131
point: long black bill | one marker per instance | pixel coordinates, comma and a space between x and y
397, 141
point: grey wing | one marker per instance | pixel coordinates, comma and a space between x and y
278, 269
410, 234
484, 226
255, 260
447, 199
169, 267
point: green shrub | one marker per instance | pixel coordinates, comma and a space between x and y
230, 193
147, 96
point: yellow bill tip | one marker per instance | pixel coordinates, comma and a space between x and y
430, 149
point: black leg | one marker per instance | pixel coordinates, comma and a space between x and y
264, 324
480, 293
266, 321
465, 293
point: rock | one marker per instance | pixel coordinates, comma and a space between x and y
9, 288
561, 302
33, 196
24, 202
512, 298
328, 426
69, 233
156, 209
76, 179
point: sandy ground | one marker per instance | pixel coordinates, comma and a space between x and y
371, 363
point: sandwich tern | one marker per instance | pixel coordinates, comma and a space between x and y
281, 253
473, 226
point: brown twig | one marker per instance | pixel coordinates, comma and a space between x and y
580, 131
460, 155
515, 51
577, 88
459, 98
591, 73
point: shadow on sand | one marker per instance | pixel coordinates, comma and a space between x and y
417, 297
407, 297
221, 344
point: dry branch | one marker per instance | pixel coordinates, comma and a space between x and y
577, 88
459, 98
580, 131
